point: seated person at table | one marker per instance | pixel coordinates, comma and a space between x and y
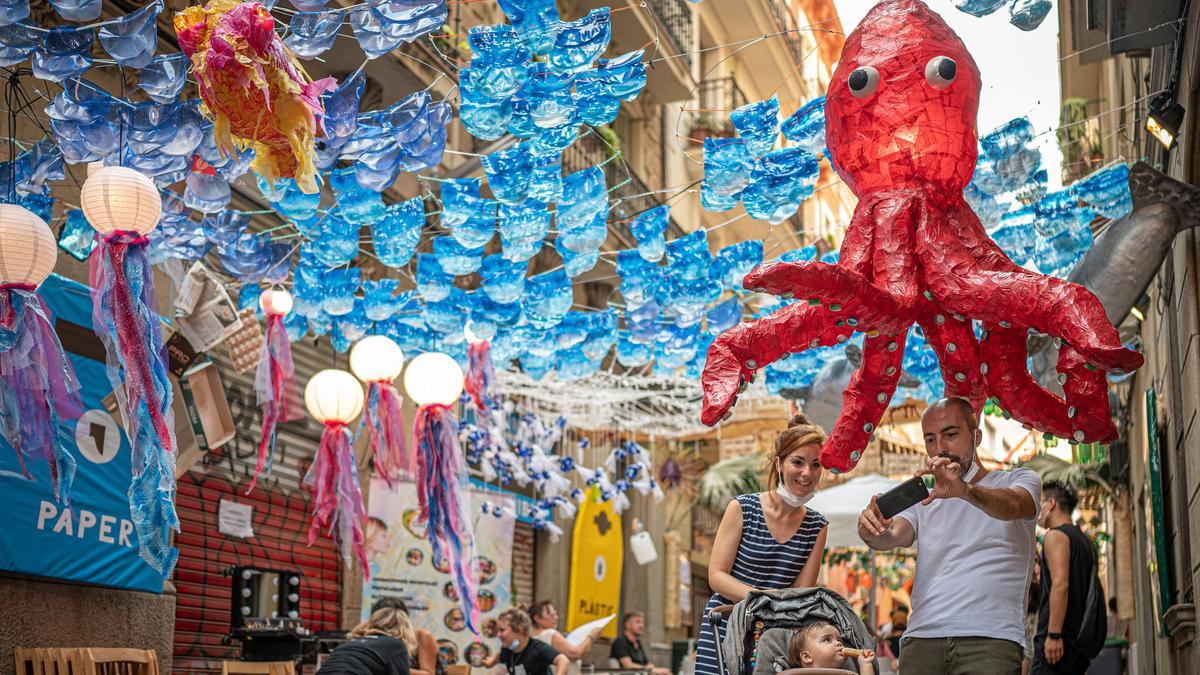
522, 655
818, 645
378, 646
425, 659
627, 648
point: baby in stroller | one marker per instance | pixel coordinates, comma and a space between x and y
813, 630
818, 644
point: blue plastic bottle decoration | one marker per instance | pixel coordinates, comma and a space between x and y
433, 283
455, 258
579, 43
499, 60
727, 168
502, 281
781, 180
508, 173
806, 126
758, 124
396, 235
734, 262
522, 228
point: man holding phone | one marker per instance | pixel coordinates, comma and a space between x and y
976, 529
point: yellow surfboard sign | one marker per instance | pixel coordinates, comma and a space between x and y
597, 551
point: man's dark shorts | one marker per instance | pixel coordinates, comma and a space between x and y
959, 656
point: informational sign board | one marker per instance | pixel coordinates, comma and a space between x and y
597, 554
402, 566
92, 541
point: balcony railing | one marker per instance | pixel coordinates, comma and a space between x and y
785, 16
721, 94
676, 19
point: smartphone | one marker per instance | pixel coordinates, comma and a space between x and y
904, 495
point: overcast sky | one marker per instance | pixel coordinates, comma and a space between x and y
1019, 69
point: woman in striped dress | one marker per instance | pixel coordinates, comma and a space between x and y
768, 540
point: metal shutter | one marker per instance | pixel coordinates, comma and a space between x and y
524, 540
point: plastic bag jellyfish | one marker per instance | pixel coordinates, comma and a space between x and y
508, 172
412, 18
65, 52
727, 167
579, 43
757, 124
40, 392
502, 281
1029, 14
901, 118
243, 69
806, 126
375, 34
499, 61
132, 39
782, 180
311, 34
77, 236
274, 379
123, 206
734, 262
649, 228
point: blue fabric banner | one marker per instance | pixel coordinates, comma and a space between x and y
93, 541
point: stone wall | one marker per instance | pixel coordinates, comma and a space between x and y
43, 613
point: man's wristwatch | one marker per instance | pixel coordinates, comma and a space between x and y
1054, 636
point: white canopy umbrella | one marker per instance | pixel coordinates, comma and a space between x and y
841, 505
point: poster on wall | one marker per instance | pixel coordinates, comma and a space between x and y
597, 554
402, 566
93, 541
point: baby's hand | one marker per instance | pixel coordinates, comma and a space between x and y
865, 657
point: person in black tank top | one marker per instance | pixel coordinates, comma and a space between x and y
378, 646
1068, 564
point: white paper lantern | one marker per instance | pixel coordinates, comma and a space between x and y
117, 198
275, 301
333, 396
433, 377
376, 359
27, 247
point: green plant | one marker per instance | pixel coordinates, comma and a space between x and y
731, 477
612, 142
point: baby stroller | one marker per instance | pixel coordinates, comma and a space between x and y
758, 629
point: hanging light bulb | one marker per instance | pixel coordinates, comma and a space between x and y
333, 397
275, 301
119, 199
29, 251
433, 378
376, 358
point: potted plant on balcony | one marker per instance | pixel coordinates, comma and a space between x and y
704, 125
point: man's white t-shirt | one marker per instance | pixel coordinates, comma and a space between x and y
973, 570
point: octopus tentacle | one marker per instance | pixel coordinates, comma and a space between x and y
864, 402
953, 341
850, 295
737, 353
1084, 416
958, 259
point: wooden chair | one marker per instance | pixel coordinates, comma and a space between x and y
86, 661
458, 669
258, 668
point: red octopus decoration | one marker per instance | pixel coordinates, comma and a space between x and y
900, 114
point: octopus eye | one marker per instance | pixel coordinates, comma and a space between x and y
940, 72
863, 81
